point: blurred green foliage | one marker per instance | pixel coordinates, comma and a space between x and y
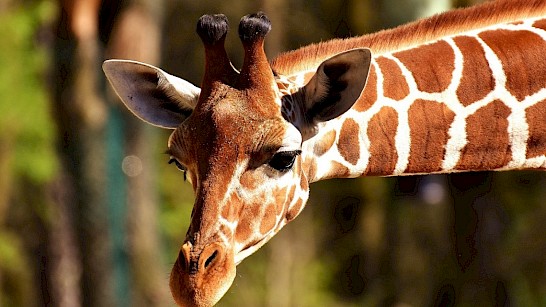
25, 122
26, 137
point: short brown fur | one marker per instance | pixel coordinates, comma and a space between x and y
381, 132
477, 79
536, 117
429, 124
486, 137
412, 34
395, 86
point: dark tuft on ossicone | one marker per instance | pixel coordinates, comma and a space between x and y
212, 28
254, 26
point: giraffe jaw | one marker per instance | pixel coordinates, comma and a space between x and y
241, 255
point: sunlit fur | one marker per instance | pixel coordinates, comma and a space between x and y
412, 34
419, 127
241, 202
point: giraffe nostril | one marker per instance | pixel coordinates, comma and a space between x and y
211, 258
181, 260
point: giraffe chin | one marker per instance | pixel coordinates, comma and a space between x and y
202, 287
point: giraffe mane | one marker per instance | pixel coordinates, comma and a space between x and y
406, 36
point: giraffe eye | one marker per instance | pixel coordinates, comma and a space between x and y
284, 160
178, 165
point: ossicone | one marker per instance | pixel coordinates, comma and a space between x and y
256, 72
212, 28
254, 27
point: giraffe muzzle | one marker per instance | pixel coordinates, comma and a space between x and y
194, 262
201, 276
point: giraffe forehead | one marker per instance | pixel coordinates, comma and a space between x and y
228, 129
261, 99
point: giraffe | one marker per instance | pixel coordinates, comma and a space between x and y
461, 91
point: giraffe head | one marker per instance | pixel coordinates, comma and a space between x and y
242, 156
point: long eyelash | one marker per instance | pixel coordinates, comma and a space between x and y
296, 152
179, 166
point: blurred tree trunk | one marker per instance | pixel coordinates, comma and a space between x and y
136, 36
112, 199
81, 116
65, 265
5, 187
477, 231
19, 284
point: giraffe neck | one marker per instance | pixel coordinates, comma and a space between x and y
469, 102
450, 23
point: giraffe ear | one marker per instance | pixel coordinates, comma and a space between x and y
153, 95
336, 85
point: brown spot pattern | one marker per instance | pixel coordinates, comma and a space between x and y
540, 24
231, 209
395, 85
369, 94
429, 123
225, 230
338, 170
282, 205
294, 211
247, 222
325, 143
280, 199
226, 212
304, 184
477, 80
348, 144
536, 118
382, 132
431, 65
311, 169
248, 182
488, 144
522, 57
243, 231
268, 220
